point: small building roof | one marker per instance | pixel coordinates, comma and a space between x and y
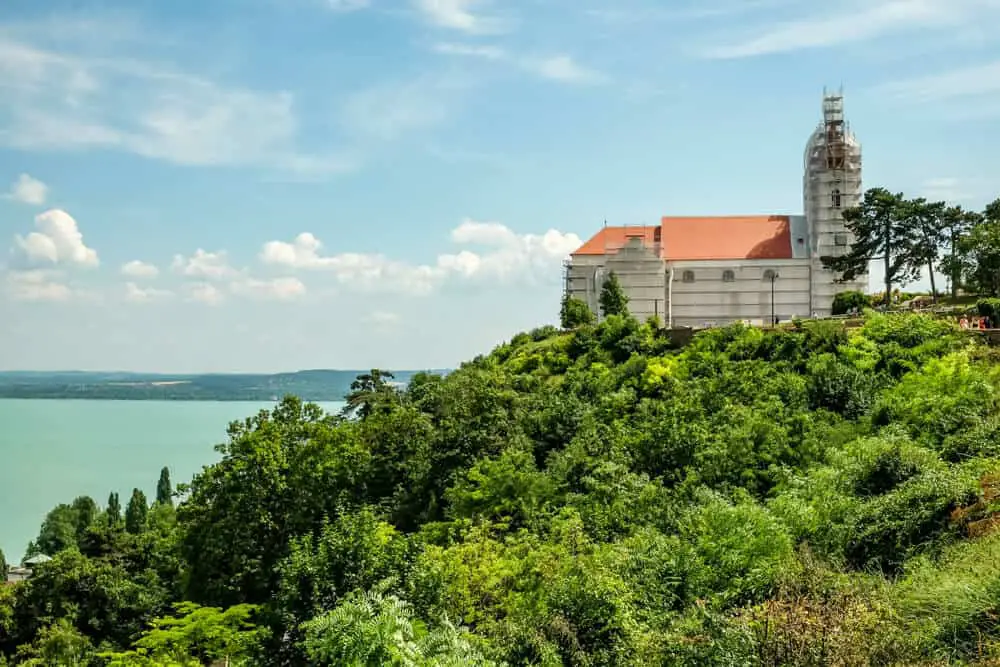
35, 560
703, 238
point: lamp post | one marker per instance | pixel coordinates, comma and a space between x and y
773, 276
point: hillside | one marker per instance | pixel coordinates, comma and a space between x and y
310, 385
808, 496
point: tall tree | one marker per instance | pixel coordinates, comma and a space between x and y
3, 567
367, 391
164, 489
114, 509
925, 227
613, 299
574, 313
880, 232
135, 513
956, 223
980, 251
85, 513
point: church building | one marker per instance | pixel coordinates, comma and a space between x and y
708, 271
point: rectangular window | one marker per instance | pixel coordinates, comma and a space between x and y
840, 239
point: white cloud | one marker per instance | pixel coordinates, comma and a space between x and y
348, 5
137, 294
458, 15
205, 293
507, 257
851, 21
964, 82
564, 68
387, 111
36, 285
278, 289
62, 101
28, 190
470, 50
557, 68
58, 241
203, 264
138, 269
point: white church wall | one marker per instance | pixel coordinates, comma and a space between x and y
711, 299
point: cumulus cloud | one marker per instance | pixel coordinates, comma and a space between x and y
205, 293
277, 289
137, 294
139, 269
28, 190
36, 285
504, 256
204, 264
57, 241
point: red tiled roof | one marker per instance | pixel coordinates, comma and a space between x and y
703, 238
729, 237
613, 238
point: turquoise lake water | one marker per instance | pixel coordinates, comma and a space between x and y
52, 451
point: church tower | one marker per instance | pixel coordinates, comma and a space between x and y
831, 183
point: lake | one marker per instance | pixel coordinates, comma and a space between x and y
55, 450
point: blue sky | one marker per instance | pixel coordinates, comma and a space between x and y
243, 185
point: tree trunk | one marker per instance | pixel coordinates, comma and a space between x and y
954, 266
930, 269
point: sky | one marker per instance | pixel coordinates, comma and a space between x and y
269, 185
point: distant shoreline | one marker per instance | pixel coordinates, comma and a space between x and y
323, 386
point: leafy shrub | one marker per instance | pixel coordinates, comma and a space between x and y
845, 302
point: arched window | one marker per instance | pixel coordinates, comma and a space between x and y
728, 276
770, 275
836, 198
688, 276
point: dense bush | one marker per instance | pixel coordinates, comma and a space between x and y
845, 302
586, 498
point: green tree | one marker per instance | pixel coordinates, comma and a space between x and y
196, 636
925, 223
57, 645
980, 251
114, 509
574, 312
613, 299
880, 232
373, 630
368, 391
3, 567
136, 512
164, 489
956, 224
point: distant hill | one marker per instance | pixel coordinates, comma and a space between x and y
310, 385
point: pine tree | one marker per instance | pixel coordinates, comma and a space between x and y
135, 513
114, 510
164, 490
882, 231
613, 300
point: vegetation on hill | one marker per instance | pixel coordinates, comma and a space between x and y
807, 496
